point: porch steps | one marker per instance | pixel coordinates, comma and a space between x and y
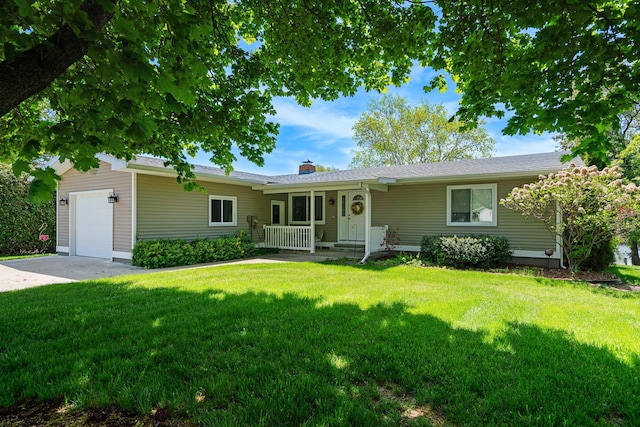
349, 247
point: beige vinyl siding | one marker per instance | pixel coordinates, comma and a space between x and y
330, 226
166, 210
99, 179
414, 211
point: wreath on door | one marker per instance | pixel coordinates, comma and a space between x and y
357, 208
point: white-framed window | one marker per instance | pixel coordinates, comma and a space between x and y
277, 212
223, 211
472, 205
300, 208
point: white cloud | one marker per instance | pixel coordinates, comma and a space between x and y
321, 119
527, 144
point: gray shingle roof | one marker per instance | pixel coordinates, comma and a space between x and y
152, 162
529, 164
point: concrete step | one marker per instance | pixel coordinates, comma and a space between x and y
349, 247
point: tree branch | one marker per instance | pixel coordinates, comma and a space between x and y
37, 67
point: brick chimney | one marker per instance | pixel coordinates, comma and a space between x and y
306, 167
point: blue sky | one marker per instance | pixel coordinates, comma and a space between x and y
323, 132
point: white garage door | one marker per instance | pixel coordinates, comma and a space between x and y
93, 224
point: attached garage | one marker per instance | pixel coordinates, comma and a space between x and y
91, 224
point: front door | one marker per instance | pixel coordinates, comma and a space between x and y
351, 216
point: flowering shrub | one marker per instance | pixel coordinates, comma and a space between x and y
173, 252
391, 240
583, 206
479, 251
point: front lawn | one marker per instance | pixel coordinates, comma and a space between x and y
23, 256
628, 273
315, 344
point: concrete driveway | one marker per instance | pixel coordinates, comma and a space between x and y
30, 272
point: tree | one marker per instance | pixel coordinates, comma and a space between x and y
618, 137
629, 161
167, 78
624, 151
567, 67
320, 168
594, 206
393, 132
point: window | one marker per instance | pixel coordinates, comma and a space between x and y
300, 208
222, 210
472, 204
277, 212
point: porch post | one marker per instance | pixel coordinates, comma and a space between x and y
312, 237
367, 221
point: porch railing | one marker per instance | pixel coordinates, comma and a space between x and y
379, 238
296, 237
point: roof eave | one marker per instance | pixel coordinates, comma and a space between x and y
271, 188
171, 173
476, 177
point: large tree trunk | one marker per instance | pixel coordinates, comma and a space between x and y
37, 67
635, 258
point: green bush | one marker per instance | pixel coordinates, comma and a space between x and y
479, 251
21, 220
172, 252
600, 257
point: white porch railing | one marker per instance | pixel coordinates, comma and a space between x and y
296, 237
378, 238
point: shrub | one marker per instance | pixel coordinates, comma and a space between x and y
595, 206
173, 252
21, 219
479, 251
601, 256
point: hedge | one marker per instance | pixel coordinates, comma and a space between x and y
173, 252
473, 251
21, 220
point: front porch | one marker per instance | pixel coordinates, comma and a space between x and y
303, 238
328, 217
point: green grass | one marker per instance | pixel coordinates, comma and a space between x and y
21, 256
628, 273
317, 344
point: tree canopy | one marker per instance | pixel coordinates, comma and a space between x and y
167, 78
393, 132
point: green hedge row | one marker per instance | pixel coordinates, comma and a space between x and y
473, 251
21, 219
173, 252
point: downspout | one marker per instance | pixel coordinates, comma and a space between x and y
134, 209
57, 214
312, 237
367, 223
559, 238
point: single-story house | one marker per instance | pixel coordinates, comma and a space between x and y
102, 213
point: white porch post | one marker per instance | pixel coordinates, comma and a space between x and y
367, 221
312, 237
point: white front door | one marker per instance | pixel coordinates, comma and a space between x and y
92, 225
351, 216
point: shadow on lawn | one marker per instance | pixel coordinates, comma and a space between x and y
254, 358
